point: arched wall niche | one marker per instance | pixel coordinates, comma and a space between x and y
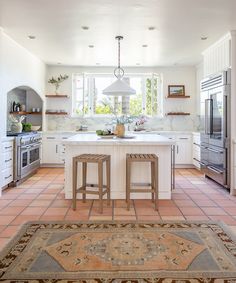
28, 102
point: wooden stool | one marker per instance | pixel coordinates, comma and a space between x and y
102, 189
154, 176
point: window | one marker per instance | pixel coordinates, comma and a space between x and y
88, 99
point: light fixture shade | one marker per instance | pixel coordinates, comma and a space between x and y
119, 88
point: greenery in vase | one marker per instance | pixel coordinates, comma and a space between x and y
57, 81
124, 119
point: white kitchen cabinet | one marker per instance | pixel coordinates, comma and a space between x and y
7, 158
51, 152
183, 150
54, 149
217, 57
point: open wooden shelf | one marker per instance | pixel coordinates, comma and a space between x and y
26, 113
57, 95
56, 113
178, 96
177, 113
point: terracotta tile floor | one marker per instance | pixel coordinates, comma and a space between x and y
41, 197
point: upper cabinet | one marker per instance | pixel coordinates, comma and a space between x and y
218, 56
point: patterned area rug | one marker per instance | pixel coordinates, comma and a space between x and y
160, 252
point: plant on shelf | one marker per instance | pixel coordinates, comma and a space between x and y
57, 81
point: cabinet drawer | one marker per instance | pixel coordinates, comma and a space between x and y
7, 146
7, 176
183, 138
50, 137
7, 160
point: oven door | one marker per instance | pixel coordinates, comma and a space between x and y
216, 168
34, 154
29, 160
22, 162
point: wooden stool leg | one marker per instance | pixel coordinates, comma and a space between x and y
100, 185
84, 178
153, 179
156, 184
128, 180
75, 165
108, 173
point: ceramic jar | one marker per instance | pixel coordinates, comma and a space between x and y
16, 127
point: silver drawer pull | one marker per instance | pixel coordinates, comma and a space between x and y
50, 138
196, 144
215, 151
203, 164
183, 138
7, 147
8, 177
8, 160
215, 170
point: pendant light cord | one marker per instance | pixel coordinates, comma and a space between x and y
119, 53
119, 72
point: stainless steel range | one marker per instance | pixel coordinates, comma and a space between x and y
27, 154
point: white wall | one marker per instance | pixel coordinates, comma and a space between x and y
171, 75
18, 68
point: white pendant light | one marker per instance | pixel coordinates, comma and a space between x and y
119, 87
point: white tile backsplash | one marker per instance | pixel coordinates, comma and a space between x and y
167, 123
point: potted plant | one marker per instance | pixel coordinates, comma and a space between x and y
57, 81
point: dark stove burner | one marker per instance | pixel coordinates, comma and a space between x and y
10, 134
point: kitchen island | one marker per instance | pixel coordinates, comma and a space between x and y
118, 148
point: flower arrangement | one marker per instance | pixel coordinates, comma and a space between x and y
139, 124
141, 120
57, 81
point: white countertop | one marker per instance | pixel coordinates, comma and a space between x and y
133, 132
93, 139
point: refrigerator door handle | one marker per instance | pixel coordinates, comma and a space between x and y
225, 118
208, 116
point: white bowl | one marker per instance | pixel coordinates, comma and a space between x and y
35, 128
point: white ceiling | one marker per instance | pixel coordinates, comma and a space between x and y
60, 38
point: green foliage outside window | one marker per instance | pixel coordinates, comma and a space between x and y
135, 104
106, 105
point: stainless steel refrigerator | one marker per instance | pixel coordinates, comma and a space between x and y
215, 125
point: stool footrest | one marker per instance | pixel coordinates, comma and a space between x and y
84, 190
141, 184
142, 191
93, 186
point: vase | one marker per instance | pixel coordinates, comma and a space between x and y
56, 88
120, 130
16, 127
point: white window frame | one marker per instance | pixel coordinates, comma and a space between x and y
130, 75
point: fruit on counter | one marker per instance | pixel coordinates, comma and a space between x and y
104, 133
